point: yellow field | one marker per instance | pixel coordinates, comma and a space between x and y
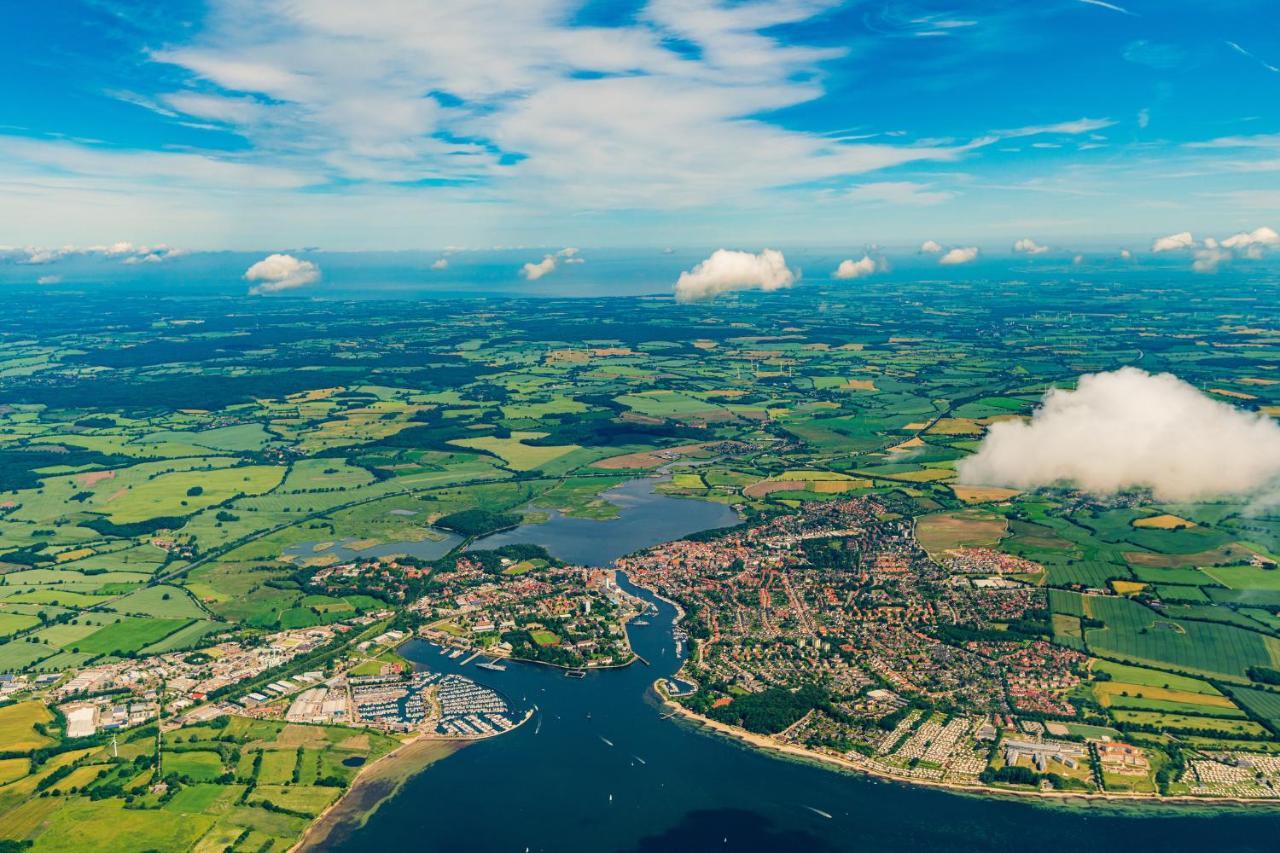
1127, 587
861, 385
1106, 690
983, 494
1163, 522
13, 768
956, 426
925, 475
909, 444
1237, 395
17, 726
833, 487
517, 455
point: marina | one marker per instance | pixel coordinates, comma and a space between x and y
694, 791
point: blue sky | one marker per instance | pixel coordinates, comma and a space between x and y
420, 124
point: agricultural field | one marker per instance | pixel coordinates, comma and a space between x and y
165, 485
216, 793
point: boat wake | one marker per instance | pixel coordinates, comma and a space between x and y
819, 812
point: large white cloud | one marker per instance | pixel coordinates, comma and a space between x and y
930, 247
959, 255
533, 271
1174, 242
1027, 246
281, 272
849, 268
1258, 237
727, 270
1131, 429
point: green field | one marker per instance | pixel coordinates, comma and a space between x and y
130, 634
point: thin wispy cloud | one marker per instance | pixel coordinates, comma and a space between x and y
1240, 50
1101, 4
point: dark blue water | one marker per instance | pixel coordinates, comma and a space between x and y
646, 519
555, 784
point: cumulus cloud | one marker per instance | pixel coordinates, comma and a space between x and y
959, 255
1263, 236
440, 264
1131, 429
1174, 242
930, 247
41, 256
1027, 246
281, 272
1126, 255
858, 269
727, 270
49, 279
124, 247
533, 271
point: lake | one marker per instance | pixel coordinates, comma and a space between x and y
598, 769
646, 518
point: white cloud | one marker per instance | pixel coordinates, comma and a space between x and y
122, 248
1262, 236
959, 255
1027, 246
38, 257
1070, 128
440, 264
850, 269
727, 270
533, 271
567, 252
1126, 429
1126, 255
49, 279
281, 272
930, 247
1209, 258
1101, 4
1078, 260
1174, 242
1267, 65
899, 192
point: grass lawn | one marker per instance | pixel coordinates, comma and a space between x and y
296, 798
200, 765
544, 638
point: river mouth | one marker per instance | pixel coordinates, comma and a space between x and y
646, 518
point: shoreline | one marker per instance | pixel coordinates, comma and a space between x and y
349, 813
767, 744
